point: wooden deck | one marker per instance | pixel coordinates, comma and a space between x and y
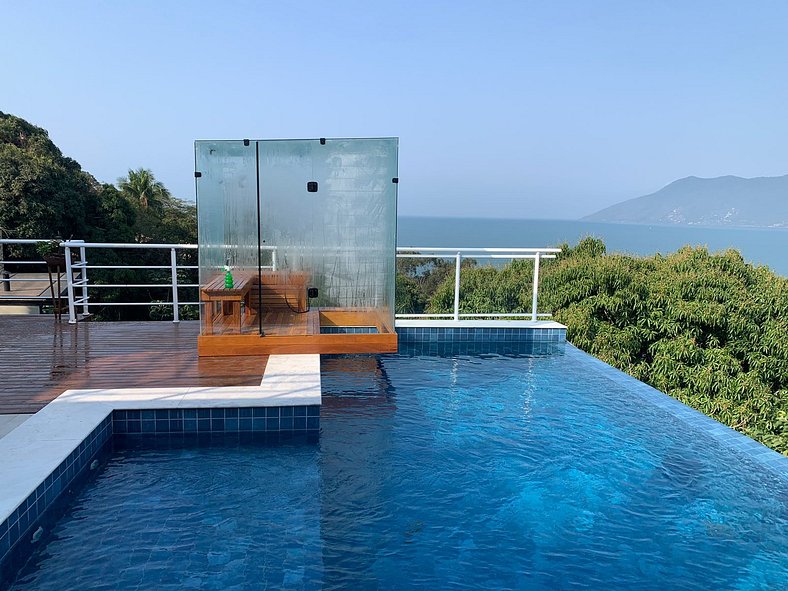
41, 358
275, 323
297, 333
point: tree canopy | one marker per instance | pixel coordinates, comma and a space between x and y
44, 194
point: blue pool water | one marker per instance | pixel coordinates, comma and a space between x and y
435, 472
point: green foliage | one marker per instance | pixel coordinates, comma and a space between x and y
48, 247
708, 329
42, 193
410, 299
45, 194
418, 279
159, 217
142, 189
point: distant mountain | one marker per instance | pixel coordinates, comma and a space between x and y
721, 201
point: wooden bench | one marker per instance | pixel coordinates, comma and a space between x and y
222, 301
281, 290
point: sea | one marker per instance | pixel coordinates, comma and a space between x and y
759, 246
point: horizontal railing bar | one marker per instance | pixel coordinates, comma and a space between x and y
13, 262
142, 303
487, 315
32, 279
132, 267
116, 285
140, 267
25, 240
502, 315
126, 245
471, 249
159, 285
73, 244
474, 256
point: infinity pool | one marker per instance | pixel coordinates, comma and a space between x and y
435, 472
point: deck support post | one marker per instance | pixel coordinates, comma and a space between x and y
174, 275
457, 288
4, 275
72, 308
535, 287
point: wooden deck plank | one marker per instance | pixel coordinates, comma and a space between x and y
232, 345
41, 358
276, 322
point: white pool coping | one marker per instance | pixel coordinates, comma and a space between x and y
34, 449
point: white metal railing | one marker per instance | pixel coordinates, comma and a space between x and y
83, 300
6, 281
77, 274
536, 254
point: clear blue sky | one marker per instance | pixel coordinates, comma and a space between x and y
503, 109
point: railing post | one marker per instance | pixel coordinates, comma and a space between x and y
4, 276
83, 279
457, 287
536, 287
174, 271
273, 259
72, 311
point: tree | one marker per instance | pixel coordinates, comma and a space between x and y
160, 217
43, 194
141, 188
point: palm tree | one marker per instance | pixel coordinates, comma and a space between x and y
142, 189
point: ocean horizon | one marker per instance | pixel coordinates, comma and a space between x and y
759, 246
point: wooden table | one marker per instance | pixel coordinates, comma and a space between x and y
223, 301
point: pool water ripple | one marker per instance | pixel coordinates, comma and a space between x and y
456, 472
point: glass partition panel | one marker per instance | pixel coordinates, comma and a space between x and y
227, 228
329, 210
287, 215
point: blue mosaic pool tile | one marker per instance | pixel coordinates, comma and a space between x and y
444, 348
770, 459
17, 529
412, 334
272, 419
25, 519
348, 330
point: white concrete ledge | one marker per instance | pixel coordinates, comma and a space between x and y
34, 449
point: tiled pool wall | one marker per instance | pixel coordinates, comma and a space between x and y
348, 330
444, 348
40, 508
419, 334
271, 419
17, 530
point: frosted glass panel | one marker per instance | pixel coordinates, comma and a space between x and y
343, 236
327, 219
226, 210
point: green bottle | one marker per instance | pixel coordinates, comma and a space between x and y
228, 278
